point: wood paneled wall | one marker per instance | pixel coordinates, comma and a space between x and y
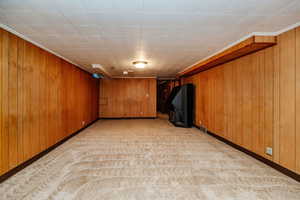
127, 97
254, 101
43, 99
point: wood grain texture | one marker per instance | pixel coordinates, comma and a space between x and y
20, 90
260, 97
39, 96
1, 98
228, 101
238, 134
245, 47
5, 100
127, 98
276, 107
13, 101
269, 100
287, 100
247, 105
298, 100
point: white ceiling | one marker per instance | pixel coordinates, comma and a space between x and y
169, 34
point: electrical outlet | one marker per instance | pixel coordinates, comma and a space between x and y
269, 151
83, 122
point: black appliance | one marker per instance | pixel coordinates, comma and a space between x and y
181, 105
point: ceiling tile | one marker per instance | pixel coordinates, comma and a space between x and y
169, 34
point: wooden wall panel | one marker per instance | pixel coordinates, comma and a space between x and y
269, 99
228, 101
287, 99
1, 97
64, 98
219, 101
209, 101
43, 99
247, 100
276, 107
5, 100
34, 103
13, 101
20, 90
197, 104
256, 101
238, 128
152, 97
298, 100
127, 98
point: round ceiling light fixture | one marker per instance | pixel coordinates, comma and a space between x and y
96, 66
140, 64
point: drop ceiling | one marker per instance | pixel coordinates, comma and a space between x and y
170, 34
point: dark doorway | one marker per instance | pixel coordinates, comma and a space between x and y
164, 88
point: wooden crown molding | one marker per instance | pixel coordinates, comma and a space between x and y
247, 46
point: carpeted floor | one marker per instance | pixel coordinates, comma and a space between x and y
147, 160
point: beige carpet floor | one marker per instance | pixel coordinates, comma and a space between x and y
147, 160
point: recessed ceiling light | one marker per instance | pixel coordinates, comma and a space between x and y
125, 72
140, 64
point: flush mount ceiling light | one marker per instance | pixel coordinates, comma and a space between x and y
140, 64
96, 66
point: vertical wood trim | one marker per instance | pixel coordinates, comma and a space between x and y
35, 100
228, 101
276, 106
235, 102
153, 97
27, 126
256, 103
197, 103
21, 89
298, 100
287, 100
60, 132
268, 100
1, 97
261, 75
239, 130
247, 76
47, 102
219, 96
43, 100
13, 146
5, 100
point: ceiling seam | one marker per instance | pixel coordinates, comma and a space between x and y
276, 33
9, 29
